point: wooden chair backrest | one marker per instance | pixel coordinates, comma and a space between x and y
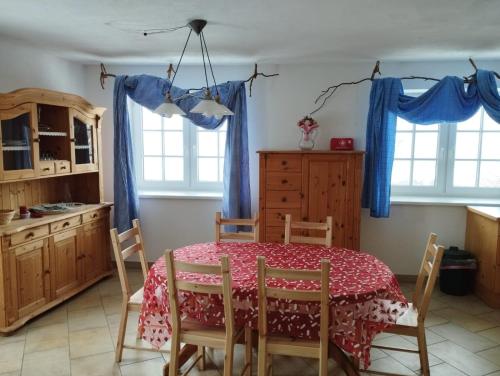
429, 270
224, 289
135, 245
321, 295
240, 235
290, 225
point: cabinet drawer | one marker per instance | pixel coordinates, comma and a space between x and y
275, 234
62, 167
47, 168
65, 224
283, 199
93, 216
284, 181
29, 234
276, 217
91, 225
284, 163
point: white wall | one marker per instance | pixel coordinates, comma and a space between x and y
26, 66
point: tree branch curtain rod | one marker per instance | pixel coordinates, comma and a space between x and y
329, 91
170, 70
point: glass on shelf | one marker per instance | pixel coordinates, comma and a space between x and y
84, 141
16, 143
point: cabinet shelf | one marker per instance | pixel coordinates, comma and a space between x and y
52, 134
82, 147
15, 148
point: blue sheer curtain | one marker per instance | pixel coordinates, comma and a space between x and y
149, 91
446, 101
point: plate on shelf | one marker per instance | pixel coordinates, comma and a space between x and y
60, 208
15, 143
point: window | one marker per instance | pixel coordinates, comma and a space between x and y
460, 159
172, 154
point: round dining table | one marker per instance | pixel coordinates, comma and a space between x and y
364, 299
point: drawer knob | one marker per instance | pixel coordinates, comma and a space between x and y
284, 181
63, 167
94, 215
29, 235
46, 169
283, 199
284, 163
65, 224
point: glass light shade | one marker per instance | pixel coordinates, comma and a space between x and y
207, 107
168, 108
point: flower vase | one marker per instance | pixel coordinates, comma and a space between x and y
307, 140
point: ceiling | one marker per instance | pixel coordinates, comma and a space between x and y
264, 31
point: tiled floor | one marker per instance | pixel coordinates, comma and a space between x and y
78, 338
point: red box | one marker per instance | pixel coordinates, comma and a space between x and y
341, 144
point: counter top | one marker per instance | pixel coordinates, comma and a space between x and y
491, 212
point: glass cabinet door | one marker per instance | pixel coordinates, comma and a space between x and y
18, 142
84, 143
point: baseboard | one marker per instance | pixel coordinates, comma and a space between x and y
406, 278
136, 264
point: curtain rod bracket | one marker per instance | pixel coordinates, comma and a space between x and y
376, 69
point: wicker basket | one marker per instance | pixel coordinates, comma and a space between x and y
6, 216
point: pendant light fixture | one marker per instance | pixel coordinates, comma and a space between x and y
208, 106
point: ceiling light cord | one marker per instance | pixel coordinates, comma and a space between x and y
180, 60
210, 63
204, 65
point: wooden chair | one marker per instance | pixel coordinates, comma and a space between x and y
327, 227
240, 235
193, 333
411, 323
269, 345
131, 301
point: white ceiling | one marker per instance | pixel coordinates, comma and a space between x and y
266, 31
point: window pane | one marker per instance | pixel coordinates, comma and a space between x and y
174, 123
403, 125
221, 169
222, 143
150, 120
223, 127
491, 145
490, 175
426, 128
152, 142
466, 146
174, 143
472, 124
208, 169
152, 168
426, 144
401, 173
403, 145
207, 144
489, 124
174, 168
424, 173
464, 174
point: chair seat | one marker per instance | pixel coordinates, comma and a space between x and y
409, 318
137, 297
194, 333
293, 346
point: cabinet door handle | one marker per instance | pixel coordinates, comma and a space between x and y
66, 224
46, 169
63, 167
94, 215
29, 235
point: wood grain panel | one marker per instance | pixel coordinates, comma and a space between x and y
284, 163
276, 217
283, 181
283, 199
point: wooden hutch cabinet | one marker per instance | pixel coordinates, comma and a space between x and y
50, 152
311, 186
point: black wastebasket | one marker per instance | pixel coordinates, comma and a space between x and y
457, 272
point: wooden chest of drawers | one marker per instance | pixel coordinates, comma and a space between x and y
311, 186
483, 239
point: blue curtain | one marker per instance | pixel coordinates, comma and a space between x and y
446, 101
149, 91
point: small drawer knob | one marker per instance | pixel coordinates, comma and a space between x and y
283, 199
284, 181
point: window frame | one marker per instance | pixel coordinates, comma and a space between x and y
190, 184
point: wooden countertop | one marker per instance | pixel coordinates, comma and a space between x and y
491, 212
18, 225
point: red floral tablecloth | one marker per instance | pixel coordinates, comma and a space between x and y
365, 296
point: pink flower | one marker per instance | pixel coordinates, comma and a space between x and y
307, 124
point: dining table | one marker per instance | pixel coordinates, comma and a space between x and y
364, 299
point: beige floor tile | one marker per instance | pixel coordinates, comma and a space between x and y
110, 287
15, 373
153, 367
462, 359
395, 341
84, 300
17, 336
412, 361
493, 355
391, 365
430, 337
134, 356
95, 365
288, 365
46, 337
437, 303
444, 369
492, 334
433, 319
58, 315
87, 319
468, 304
465, 320
493, 316
114, 319
468, 340
112, 304
89, 342
53, 362
333, 367
11, 357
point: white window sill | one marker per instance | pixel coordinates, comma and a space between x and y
181, 195
442, 201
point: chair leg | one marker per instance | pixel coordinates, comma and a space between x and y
269, 361
229, 357
422, 350
175, 348
201, 362
121, 331
248, 350
262, 357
